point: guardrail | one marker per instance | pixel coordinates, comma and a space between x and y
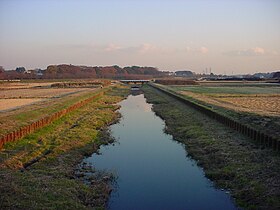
28, 129
258, 136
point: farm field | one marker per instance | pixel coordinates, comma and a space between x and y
21, 106
6, 104
262, 99
254, 104
17, 85
14, 98
38, 92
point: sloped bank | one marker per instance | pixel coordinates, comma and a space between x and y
51, 182
231, 160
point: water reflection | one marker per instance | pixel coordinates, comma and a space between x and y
152, 169
135, 91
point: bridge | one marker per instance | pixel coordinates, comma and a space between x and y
135, 81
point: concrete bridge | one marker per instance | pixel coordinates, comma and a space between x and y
135, 81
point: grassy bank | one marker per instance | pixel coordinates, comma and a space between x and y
38, 172
255, 105
231, 160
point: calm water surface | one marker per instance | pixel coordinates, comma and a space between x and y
152, 169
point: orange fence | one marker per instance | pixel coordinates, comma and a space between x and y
258, 136
25, 130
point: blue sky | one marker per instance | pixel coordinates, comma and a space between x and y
239, 36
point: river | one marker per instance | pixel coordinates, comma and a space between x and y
153, 170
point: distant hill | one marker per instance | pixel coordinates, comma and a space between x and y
65, 71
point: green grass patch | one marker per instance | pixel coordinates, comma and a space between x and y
50, 182
229, 90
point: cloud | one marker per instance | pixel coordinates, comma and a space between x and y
255, 51
142, 49
203, 50
274, 52
258, 51
147, 48
112, 47
200, 50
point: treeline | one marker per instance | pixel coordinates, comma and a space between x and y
66, 71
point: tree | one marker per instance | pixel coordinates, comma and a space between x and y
2, 70
20, 69
276, 75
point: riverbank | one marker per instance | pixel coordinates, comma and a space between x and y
40, 170
151, 169
232, 161
254, 105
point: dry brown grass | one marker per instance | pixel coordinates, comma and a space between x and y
263, 104
6, 104
17, 85
269, 105
37, 92
17, 94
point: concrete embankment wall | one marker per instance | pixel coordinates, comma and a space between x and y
25, 130
258, 136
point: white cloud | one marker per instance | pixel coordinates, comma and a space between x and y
188, 49
258, 50
112, 47
142, 49
146, 48
255, 51
200, 50
203, 50
274, 52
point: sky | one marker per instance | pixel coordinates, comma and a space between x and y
228, 36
